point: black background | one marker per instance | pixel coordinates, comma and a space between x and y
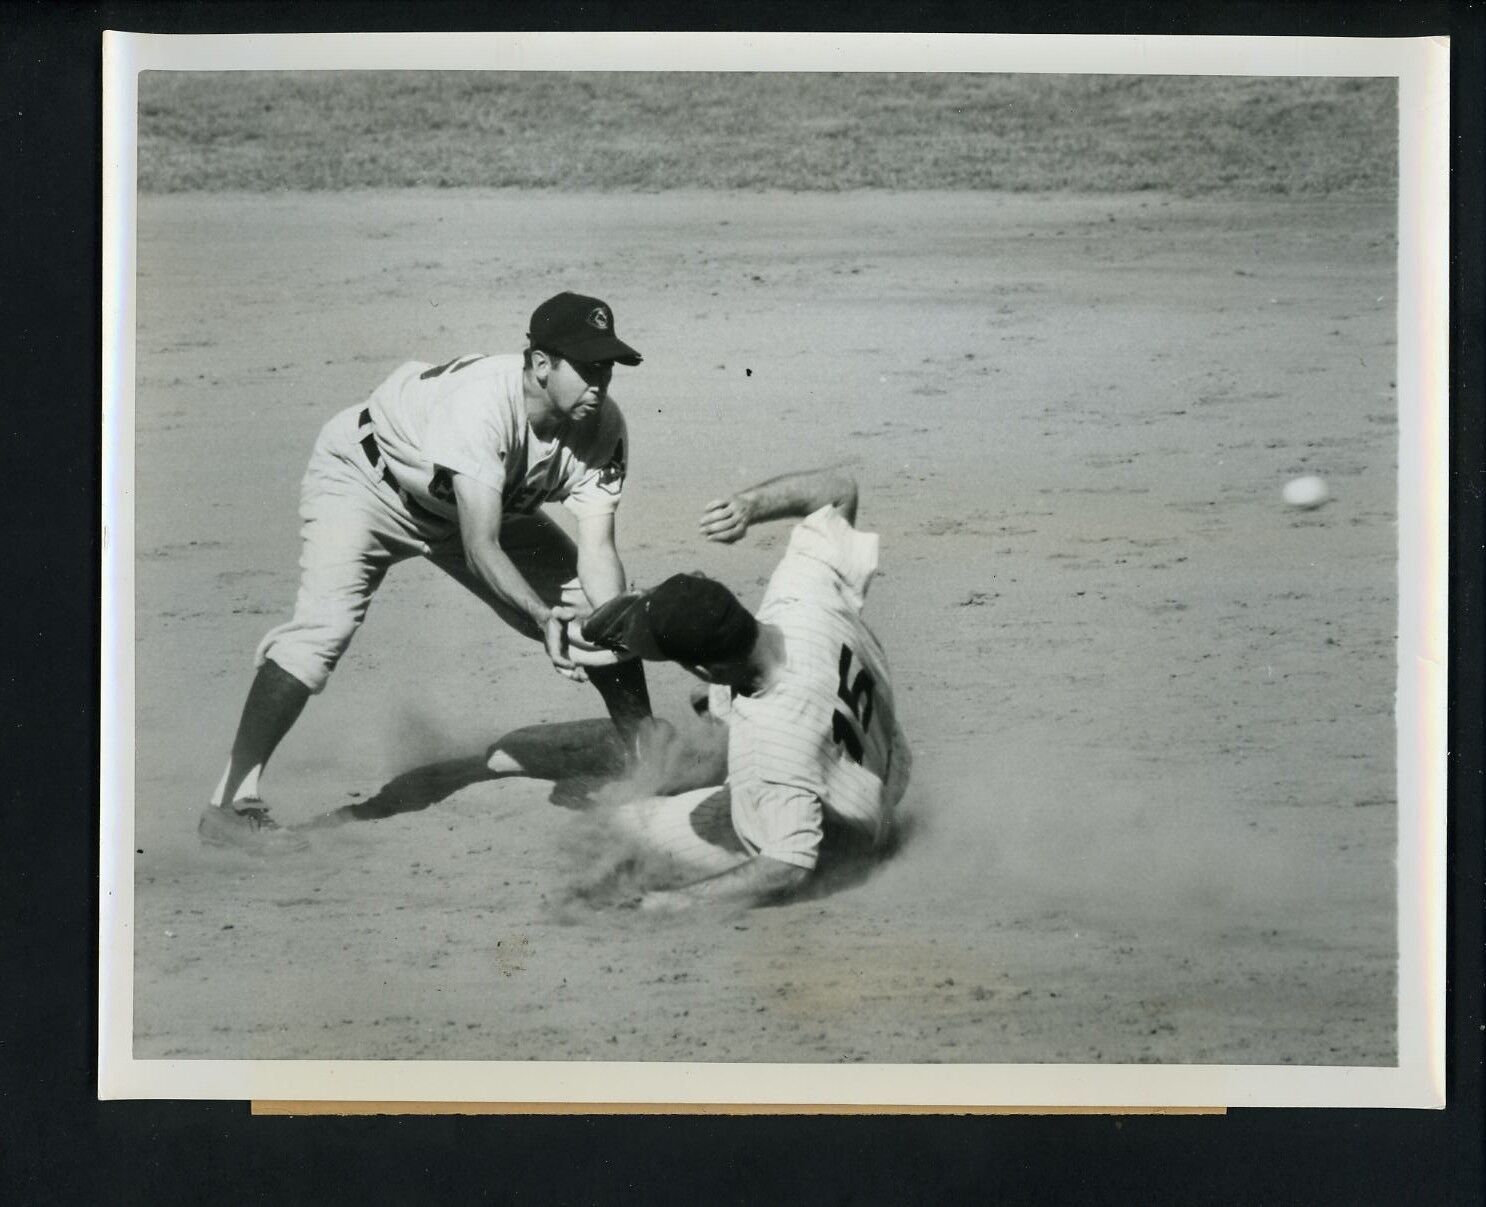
58, 1144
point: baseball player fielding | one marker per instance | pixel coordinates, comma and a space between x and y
451, 462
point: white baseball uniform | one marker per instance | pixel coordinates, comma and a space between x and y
379, 490
821, 744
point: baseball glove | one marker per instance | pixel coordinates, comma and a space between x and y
606, 626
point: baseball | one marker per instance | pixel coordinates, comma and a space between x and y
1307, 492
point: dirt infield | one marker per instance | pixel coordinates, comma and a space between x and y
1153, 813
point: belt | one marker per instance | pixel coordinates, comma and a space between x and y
374, 457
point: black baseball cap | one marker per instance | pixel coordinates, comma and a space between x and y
579, 328
691, 619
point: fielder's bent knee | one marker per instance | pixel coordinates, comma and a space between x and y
307, 648
314, 674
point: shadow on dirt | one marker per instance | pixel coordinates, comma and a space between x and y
409, 792
577, 792
579, 756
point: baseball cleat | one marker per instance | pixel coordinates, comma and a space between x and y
248, 829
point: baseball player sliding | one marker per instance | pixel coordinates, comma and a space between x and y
815, 754
451, 462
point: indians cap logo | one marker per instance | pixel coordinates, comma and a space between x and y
599, 318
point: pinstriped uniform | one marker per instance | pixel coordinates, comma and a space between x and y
823, 739
821, 745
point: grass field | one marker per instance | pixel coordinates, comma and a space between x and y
1190, 136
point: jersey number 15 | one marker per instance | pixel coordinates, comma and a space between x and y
853, 713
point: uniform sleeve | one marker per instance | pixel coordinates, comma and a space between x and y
787, 825
600, 464
825, 549
779, 749
466, 434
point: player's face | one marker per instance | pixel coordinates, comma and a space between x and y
576, 388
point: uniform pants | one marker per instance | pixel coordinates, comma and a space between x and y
690, 836
356, 527
683, 838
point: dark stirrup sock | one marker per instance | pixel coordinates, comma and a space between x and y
274, 703
625, 694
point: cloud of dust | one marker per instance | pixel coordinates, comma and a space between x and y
1104, 847
607, 864
671, 757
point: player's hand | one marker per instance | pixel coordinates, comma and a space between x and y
555, 638
726, 520
583, 652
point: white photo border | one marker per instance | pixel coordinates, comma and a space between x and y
1421, 67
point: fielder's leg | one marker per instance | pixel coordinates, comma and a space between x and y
234, 818
626, 696
273, 705
351, 535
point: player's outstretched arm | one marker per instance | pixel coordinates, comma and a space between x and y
600, 572
756, 882
787, 496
